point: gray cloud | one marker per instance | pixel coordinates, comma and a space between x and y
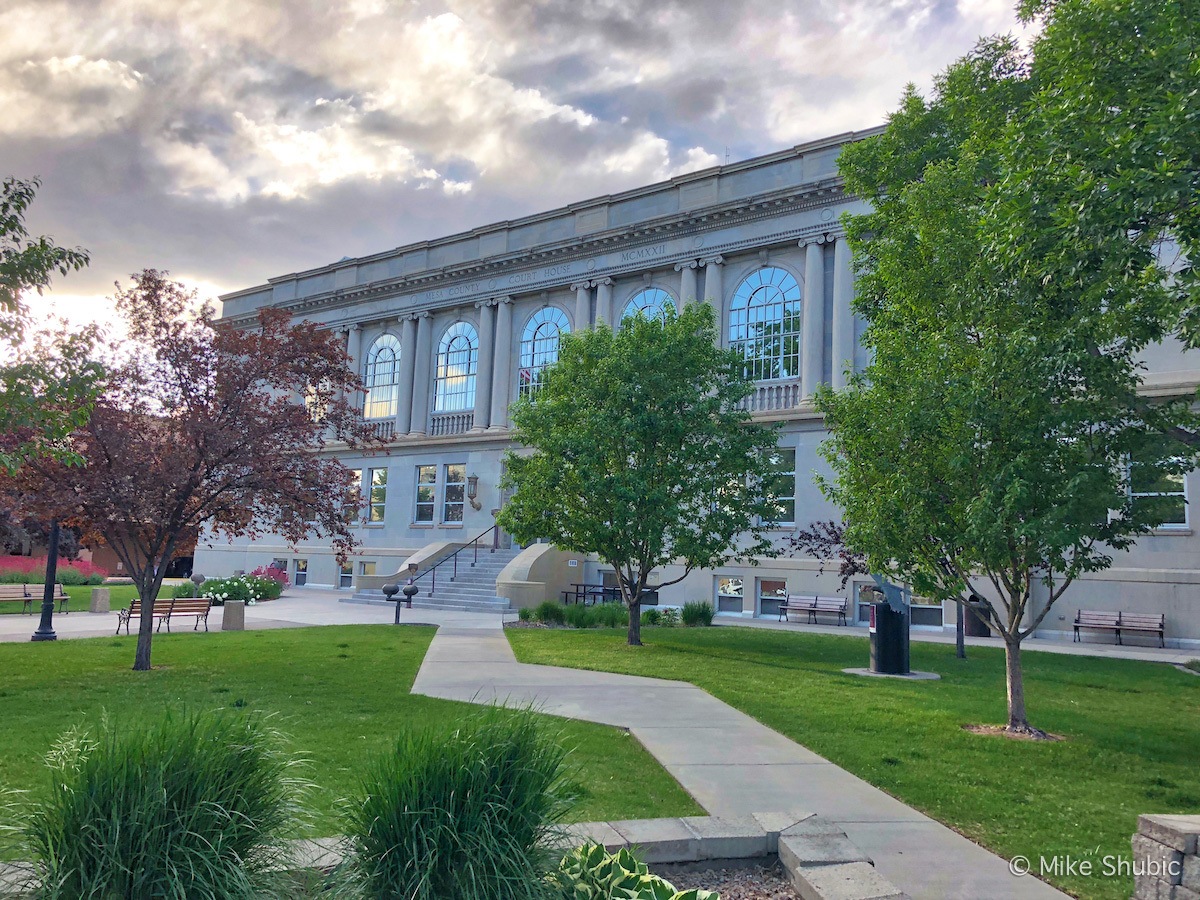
232, 140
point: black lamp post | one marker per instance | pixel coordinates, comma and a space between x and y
45, 630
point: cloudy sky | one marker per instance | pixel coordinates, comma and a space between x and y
232, 140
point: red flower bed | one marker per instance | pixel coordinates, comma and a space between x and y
33, 569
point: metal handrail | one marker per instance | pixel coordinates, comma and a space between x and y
494, 531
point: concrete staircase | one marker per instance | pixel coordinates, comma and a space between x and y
472, 590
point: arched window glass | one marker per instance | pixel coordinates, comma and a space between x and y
765, 324
539, 345
382, 378
652, 303
457, 366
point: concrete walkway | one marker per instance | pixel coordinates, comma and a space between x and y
729, 762
732, 764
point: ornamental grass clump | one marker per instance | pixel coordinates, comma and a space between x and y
196, 805
697, 612
469, 815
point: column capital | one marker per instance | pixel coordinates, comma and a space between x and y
481, 304
717, 260
602, 282
424, 314
816, 239
502, 300
355, 326
687, 264
581, 286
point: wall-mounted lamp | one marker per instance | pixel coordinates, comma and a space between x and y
473, 491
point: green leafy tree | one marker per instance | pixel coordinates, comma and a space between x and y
986, 445
47, 384
639, 451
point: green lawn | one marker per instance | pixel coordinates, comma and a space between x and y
1132, 729
81, 597
340, 693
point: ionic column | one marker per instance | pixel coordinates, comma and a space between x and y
354, 351
812, 362
583, 305
502, 382
843, 314
422, 370
408, 356
687, 283
713, 292
483, 380
604, 299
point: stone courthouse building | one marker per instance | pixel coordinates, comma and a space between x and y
448, 332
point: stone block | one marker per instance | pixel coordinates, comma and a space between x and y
727, 838
852, 881
1177, 832
660, 840
812, 825
1147, 887
100, 601
580, 833
1179, 892
234, 617
317, 853
774, 822
1191, 873
1157, 859
802, 850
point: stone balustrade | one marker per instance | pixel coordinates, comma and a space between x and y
1166, 858
451, 423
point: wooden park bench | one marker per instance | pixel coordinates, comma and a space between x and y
1118, 622
813, 606
166, 608
28, 593
10, 593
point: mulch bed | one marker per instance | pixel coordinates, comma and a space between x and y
743, 883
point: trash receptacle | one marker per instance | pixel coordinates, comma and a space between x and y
889, 640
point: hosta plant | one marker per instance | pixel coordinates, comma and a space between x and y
591, 873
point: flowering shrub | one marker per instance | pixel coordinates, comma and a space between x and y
274, 573
32, 570
247, 588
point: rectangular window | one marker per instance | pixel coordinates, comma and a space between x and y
299, 572
924, 611
351, 506
280, 564
346, 576
366, 568
455, 487
782, 486
378, 498
729, 594
426, 494
1163, 495
771, 594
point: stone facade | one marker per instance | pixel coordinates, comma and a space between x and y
424, 313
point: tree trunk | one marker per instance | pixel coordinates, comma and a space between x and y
960, 630
1018, 723
141, 659
635, 622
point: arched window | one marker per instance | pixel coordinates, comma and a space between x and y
765, 324
457, 366
382, 378
652, 303
539, 345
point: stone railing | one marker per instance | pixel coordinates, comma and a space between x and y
769, 396
451, 423
1165, 858
384, 429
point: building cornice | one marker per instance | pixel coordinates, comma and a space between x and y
694, 223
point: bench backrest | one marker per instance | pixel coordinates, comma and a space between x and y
190, 605
13, 592
1095, 617
1143, 620
36, 590
829, 603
